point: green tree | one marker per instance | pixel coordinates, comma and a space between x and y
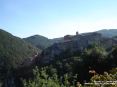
42, 79
95, 58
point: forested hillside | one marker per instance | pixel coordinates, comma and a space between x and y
91, 66
75, 60
40, 42
74, 44
13, 52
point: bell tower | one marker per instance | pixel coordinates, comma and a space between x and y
77, 33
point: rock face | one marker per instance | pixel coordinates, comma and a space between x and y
76, 43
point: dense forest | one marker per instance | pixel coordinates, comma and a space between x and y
81, 61
94, 64
14, 52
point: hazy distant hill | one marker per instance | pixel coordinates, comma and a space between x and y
108, 32
39, 41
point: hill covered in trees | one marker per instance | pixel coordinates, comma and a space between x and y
95, 65
80, 58
14, 49
40, 42
84, 58
63, 62
13, 52
76, 43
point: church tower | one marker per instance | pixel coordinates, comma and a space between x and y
77, 33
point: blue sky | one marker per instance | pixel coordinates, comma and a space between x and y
56, 18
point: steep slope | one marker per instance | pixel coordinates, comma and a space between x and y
13, 51
40, 42
74, 44
108, 33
